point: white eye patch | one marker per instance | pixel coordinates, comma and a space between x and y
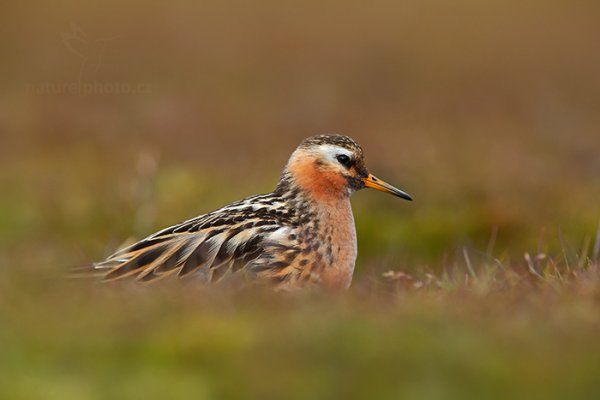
330, 152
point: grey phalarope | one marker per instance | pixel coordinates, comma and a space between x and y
301, 233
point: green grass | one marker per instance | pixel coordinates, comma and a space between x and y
500, 334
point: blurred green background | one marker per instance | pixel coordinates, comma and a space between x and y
119, 118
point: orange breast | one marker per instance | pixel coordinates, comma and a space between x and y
329, 248
340, 240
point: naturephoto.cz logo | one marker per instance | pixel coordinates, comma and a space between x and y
88, 88
90, 54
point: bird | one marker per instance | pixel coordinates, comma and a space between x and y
302, 234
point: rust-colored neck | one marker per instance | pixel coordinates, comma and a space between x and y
321, 184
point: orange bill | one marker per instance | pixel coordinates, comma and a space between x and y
375, 183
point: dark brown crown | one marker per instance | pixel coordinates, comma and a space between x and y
333, 139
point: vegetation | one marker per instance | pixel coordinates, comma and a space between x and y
120, 118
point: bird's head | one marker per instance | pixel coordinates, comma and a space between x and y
332, 166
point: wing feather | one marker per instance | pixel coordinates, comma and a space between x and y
218, 243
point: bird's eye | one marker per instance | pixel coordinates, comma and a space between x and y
344, 160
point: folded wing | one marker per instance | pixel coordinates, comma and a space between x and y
227, 240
